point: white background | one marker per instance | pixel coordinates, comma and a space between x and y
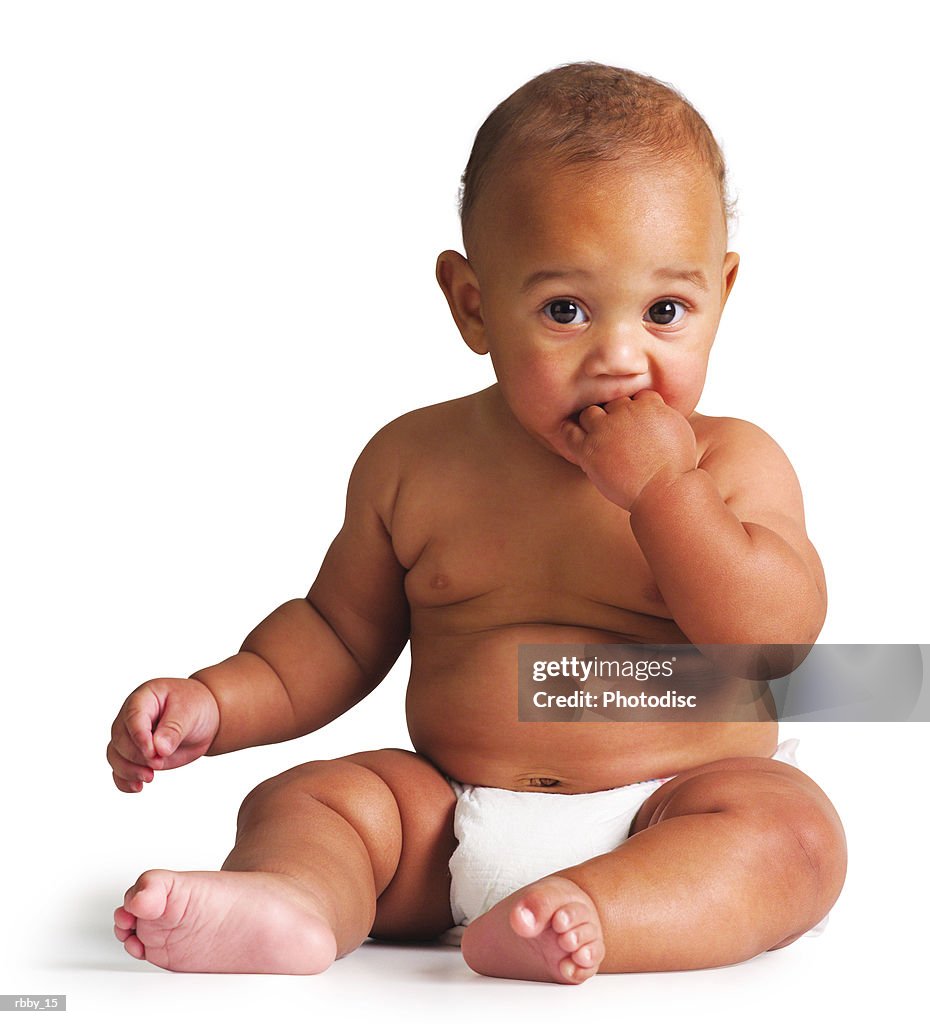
218, 225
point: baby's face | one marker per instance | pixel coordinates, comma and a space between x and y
597, 282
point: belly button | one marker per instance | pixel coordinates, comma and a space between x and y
439, 582
541, 782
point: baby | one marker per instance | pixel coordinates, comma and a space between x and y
579, 500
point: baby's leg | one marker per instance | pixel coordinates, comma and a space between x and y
724, 861
325, 854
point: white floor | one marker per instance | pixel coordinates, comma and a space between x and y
817, 981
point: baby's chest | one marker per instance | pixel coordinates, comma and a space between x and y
531, 559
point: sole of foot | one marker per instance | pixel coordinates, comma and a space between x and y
225, 922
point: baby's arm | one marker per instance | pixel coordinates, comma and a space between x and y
304, 665
725, 540
727, 545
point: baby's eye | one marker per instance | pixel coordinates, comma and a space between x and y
666, 312
565, 311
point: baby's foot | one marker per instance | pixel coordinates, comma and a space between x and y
240, 922
547, 931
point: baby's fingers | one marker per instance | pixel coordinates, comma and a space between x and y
574, 437
168, 736
139, 723
590, 417
577, 436
184, 723
128, 776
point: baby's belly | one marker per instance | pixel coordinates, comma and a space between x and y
462, 716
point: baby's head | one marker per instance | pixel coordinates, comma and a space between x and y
594, 215
589, 114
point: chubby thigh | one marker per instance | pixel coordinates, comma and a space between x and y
758, 830
369, 836
415, 902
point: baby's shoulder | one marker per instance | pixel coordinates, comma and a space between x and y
716, 433
736, 451
413, 441
422, 431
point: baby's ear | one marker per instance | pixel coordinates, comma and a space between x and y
459, 284
730, 268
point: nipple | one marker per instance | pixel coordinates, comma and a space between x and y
439, 582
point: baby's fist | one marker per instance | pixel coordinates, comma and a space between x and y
164, 723
630, 442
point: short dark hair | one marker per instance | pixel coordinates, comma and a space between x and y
587, 113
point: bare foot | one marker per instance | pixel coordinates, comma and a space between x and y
227, 922
547, 931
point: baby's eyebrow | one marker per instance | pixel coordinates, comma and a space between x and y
696, 277
547, 275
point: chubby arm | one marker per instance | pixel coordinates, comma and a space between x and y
725, 539
727, 545
315, 657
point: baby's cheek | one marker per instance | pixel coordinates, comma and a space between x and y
679, 402
545, 396
682, 391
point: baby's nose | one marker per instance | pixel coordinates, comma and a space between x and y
616, 354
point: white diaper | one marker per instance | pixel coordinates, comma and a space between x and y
508, 839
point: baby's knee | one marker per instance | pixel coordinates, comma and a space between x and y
812, 839
345, 787
334, 794
816, 845
280, 787
781, 818
818, 833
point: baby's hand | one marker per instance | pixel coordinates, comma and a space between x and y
630, 442
164, 723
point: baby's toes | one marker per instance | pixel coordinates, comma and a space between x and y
588, 956
578, 936
124, 928
576, 973
134, 946
569, 916
149, 897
